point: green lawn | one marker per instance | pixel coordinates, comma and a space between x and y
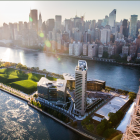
20, 80
27, 86
2, 71
51, 78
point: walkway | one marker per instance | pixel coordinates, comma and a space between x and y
59, 109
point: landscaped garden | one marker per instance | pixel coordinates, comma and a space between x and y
20, 80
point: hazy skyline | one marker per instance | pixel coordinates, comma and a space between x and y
15, 11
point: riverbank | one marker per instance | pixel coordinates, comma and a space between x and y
68, 126
112, 61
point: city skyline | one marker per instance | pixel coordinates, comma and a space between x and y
8, 10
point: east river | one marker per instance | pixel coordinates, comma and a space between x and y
18, 120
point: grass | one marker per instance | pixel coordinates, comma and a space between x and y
27, 86
51, 78
20, 80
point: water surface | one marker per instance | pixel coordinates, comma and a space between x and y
117, 76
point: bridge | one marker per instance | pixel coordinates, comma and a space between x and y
133, 129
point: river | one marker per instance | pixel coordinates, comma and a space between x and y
20, 121
117, 76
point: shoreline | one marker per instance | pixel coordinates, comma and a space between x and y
96, 59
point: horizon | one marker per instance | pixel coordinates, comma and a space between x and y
89, 9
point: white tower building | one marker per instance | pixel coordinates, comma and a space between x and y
78, 49
80, 87
105, 36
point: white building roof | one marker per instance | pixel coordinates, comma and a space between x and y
97, 118
68, 76
112, 106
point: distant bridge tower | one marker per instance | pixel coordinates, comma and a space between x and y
133, 129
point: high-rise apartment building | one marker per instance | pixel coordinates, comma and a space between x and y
50, 24
78, 49
40, 22
80, 87
71, 49
112, 18
33, 19
100, 51
125, 28
105, 36
133, 26
125, 50
85, 49
58, 20
92, 50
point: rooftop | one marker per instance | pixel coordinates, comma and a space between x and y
82, 65
112, 106
59, 84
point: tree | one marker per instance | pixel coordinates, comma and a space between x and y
100, 128
37, 68
19, 65
7, 64
132, 95
109, 132
44, 70
105, 54
90, 127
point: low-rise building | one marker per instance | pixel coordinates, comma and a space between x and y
52, 90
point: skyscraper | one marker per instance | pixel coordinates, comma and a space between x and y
80, 87
40, 22
105, 36
33, 19
112, 18
133, 26
125, 29
58, 20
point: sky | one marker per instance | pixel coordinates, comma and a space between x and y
15, 11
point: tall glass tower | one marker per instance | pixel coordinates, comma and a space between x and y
112, 18
133, 26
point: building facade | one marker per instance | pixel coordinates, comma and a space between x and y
80, 87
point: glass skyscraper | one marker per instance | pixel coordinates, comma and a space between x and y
133, 26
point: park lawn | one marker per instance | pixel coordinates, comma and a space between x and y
34, 77
51, 78
27, 86
20, 80
2, 71
5, 79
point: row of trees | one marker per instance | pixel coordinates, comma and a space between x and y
106, 127
24, 67
55, 113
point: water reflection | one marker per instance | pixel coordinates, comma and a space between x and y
19, 121
125, 121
